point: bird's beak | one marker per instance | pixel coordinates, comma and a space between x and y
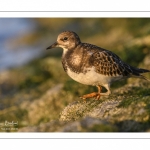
52, 46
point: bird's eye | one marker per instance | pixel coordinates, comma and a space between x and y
65, 38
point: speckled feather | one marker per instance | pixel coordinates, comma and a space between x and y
104, 61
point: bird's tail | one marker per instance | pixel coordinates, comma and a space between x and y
139, 71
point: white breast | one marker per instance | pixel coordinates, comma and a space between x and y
91, 77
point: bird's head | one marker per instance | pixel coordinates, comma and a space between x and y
66, 40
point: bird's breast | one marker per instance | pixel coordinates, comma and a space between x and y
90, 77
73, 61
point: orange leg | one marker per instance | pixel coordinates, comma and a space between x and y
95, 95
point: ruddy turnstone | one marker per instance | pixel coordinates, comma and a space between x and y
92, 65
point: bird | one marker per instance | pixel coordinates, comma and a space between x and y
92, 65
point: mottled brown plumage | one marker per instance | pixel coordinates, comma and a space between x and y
92, 65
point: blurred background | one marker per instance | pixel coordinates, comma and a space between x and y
34, 89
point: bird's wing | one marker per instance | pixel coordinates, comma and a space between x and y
108, 63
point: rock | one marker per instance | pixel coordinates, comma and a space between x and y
120, 112
43, 127
41, 107
87, 124
125, 112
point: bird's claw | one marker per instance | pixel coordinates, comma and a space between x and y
91, 95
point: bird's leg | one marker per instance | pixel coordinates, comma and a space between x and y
98, 94
107, 86
95, 95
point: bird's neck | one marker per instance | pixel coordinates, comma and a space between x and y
64, 51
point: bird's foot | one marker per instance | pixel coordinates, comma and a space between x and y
91, 95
